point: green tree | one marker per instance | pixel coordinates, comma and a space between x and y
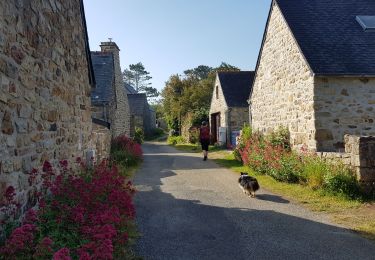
190, 94
138, 77
200, 72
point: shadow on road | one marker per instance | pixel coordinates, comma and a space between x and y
175, 228
273, 198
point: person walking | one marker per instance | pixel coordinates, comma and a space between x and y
204, 137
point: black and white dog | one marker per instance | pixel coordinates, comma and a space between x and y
248, 184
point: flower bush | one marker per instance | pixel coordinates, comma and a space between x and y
271, 155
244, 137
83, 215
125, 151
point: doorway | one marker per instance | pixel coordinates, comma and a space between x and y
215, 124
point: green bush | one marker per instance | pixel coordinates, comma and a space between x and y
342, 181
139, 135
314, 170
155, 133
290, 170
280, 137
173, 140
271, 155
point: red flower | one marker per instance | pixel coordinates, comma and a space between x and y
62, 254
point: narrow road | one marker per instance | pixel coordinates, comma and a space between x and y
193, 209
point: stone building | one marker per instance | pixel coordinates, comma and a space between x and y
142, 115
109, 99
46, 79
316, 72
229, 108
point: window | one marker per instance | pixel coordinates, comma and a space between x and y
217, 92
367, 22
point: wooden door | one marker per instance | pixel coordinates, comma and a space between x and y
215, 124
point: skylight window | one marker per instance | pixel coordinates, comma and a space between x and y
367, 22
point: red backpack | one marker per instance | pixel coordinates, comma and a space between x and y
205, 133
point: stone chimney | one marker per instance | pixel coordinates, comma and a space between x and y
121, 121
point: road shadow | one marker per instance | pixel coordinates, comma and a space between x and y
273, 198
181, 228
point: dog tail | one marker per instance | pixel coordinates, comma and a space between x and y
256, 185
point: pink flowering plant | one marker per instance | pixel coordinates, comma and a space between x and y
272, 155
126, 152
80, 216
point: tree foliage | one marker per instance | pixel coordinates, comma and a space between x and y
137, 76
191, 93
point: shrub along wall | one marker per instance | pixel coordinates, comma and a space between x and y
83, 212
359, 155
272, 155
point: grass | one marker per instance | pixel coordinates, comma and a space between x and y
356, 215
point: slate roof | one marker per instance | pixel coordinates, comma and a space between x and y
104, 76
329, 36
236, 87
129, 89
137, 103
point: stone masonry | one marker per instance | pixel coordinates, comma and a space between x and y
121, 113
44, 95
343, 106
283, 90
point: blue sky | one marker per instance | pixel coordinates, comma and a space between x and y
170, 36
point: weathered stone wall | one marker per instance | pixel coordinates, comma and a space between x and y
283, 87
343, 106
121, 116
44, 95
238, 117
218, 104
360, 155
101, 139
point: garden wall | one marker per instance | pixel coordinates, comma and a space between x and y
360, 155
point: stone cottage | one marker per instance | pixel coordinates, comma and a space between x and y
316, 72
46, 80
229, 109
142, 115
109, 99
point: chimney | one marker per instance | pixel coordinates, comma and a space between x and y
109, 46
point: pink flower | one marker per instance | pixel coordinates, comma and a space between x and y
9, 194
62, 254
30, 217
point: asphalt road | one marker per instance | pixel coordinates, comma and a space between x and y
193, 209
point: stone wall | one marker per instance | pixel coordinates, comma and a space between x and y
283, 86
238, 117
360, 155
218, 103
45, 91
121, 116
101, 139
343, 106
